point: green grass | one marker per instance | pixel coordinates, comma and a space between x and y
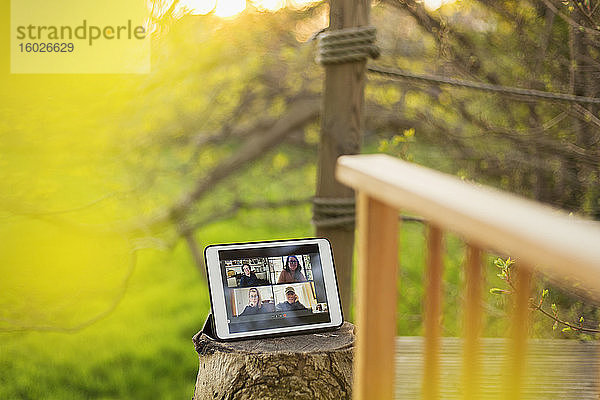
143, 350
412, 256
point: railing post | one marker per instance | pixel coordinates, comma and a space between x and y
473, 324
516, 354
433, 313
376, 300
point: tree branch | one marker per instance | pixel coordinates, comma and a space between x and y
568, 19
299, 114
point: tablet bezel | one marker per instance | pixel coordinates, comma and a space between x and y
217, 298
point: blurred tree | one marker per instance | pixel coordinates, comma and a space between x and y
548, 150
543, 149
228, 120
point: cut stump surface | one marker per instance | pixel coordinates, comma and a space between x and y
310, 366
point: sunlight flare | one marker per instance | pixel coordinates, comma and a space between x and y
433, 5
299, 4
229, 8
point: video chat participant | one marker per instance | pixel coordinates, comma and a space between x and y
292, 303
249, 278
255, 305
291, 271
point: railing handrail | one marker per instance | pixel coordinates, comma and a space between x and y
530, 232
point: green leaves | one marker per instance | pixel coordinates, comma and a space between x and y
504, 266
537, 304
398, 145
505, 263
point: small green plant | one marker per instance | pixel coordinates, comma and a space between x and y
506, 268
399, 145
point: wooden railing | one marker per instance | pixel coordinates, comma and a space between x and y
536, 235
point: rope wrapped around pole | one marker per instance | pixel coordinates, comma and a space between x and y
340, 212
333, 212
347, 45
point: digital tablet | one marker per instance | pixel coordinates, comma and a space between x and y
272, 288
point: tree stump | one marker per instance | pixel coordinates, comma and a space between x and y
310, 366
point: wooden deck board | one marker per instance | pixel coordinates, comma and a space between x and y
556, 369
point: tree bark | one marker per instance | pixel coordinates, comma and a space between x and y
310, 366
341, 125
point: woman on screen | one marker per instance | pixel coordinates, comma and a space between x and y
255, 305
291, 271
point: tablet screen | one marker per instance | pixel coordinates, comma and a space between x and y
273, 287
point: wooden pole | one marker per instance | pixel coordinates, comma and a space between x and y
374, 358
341, 124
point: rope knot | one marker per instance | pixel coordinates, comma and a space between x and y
347, 45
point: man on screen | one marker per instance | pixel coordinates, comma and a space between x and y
249, 278
292, 302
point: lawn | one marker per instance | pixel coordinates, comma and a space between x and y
143, 349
